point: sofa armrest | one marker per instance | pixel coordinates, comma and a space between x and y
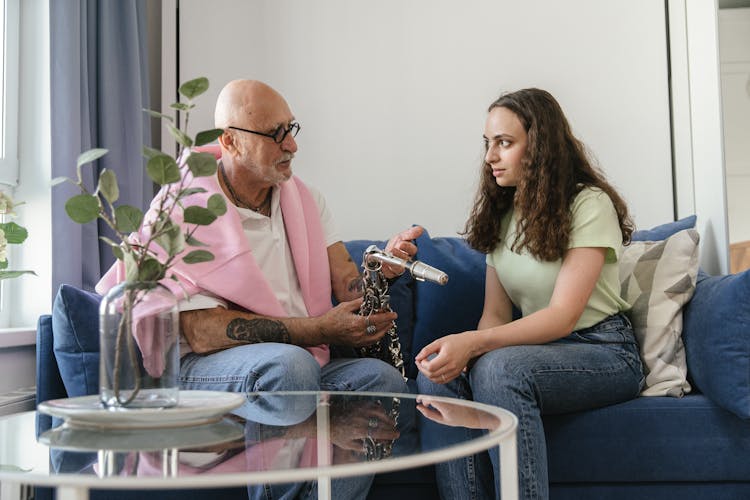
49, 384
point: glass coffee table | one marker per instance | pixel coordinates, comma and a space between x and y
271, 438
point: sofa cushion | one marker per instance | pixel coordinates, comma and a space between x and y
664, 231
649, 440
402, 301
455, 306
75, 323
657, 278
717, 340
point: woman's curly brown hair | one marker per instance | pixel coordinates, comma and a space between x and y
555, 168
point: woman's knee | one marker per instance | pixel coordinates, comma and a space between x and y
503, 374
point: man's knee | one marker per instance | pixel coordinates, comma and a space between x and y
288, 368
379, 376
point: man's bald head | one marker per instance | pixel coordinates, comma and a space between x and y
244, 103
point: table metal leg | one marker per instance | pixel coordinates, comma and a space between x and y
509, 469
170, 462
10, 491
324, 448
72, 493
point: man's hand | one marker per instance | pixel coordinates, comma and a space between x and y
343, 325
402, 246
360, 420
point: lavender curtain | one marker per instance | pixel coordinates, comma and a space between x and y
99, 86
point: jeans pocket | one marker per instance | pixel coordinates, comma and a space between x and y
615, 329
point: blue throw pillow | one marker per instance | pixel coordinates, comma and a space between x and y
402, 302
664, 231
75, 327
716, 333
456, 306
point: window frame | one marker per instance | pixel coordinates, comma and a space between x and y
9, 88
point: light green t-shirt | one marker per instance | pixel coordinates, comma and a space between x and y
529, 282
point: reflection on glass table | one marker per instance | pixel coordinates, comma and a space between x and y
276, 438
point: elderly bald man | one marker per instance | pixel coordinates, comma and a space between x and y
263, 318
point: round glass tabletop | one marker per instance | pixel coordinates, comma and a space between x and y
270, 438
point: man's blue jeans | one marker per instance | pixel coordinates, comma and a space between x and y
590, 368
282, 367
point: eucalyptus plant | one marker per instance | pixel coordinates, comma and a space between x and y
10, 234
140, 260
144, 266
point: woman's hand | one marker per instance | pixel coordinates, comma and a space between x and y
455, 415
444, 359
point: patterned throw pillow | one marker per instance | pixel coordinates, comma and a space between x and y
657, 278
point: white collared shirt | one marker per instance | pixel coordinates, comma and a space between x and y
270, 248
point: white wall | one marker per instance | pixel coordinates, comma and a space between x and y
734, 36
392, 94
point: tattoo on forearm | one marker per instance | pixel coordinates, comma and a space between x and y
258, 330
357, 285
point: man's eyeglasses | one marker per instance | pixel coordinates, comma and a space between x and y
277, 135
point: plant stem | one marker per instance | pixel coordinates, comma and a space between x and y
124, 329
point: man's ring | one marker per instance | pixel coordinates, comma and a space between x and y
370, 329
372, 423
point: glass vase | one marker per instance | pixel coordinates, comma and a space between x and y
139, 347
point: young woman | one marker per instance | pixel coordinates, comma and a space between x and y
552, 228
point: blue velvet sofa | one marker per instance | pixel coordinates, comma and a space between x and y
693, 447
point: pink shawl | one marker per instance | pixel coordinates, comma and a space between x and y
234, 274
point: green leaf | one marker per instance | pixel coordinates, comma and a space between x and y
190, 191
14, 274
82, 208
151, 152
156, 114
197, 256
171, 238
14, 233
182, 106
163, 169
194, 242
3, 264
128, 218
60, 180
12, 468
202, 164
108, 185
199, 215
151, 270
208, 136
131, 267
90, 155
217, 205
180, 136
117, 252
194, 88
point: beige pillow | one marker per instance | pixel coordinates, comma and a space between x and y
657, 278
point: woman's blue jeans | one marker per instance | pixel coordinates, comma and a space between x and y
282, 367
589, 368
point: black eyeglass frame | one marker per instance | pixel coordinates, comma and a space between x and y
277, 135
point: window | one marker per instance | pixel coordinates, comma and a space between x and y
9, 29
9, 24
